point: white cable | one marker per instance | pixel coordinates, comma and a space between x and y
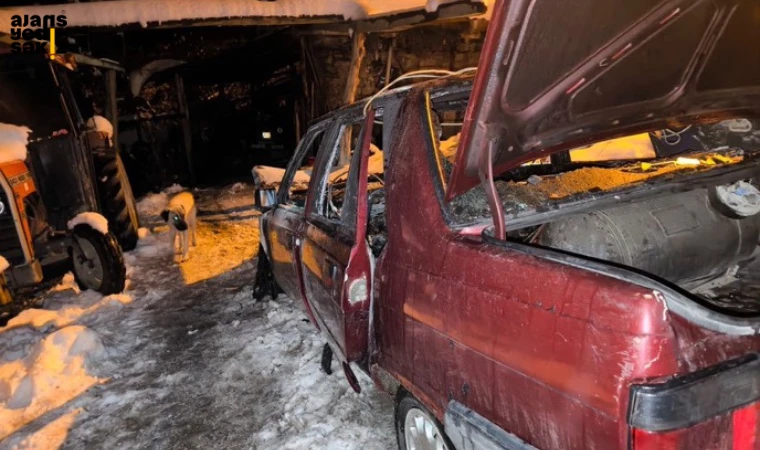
424, 73
668, 133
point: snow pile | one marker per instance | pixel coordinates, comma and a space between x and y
175, 189
94, 220
101, 124
238, 187
89, 302
51, 374
67, 283
152, 204
4, 264
121, 12
13, 140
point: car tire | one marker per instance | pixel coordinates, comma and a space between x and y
264, 283
417, 428
97, 261
116, 198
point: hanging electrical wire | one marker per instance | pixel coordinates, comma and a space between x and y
416, 74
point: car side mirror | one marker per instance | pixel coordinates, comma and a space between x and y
264, 199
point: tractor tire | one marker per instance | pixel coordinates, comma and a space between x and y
97, 261
116, 198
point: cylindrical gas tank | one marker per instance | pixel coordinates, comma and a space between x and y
681, 238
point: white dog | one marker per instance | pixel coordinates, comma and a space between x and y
180, 215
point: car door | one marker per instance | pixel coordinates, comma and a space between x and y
284, 223
335, 257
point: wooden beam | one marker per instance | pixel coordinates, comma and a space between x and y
358, 51
187, 132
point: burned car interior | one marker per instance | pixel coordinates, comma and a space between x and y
681, 206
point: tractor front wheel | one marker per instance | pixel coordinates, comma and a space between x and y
97, 261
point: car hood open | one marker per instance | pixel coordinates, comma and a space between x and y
559, 74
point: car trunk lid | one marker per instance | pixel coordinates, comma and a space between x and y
556, 75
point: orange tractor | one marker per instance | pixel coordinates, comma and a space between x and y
70, 172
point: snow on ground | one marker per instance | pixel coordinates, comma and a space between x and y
183, 359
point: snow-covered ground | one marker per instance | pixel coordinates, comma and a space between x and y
183, 359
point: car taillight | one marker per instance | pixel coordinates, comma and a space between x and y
738, 430
714, 409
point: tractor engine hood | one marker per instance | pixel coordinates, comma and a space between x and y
559, 74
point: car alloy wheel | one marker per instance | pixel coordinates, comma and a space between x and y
421, 432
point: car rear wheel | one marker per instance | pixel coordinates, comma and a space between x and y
417, 428
97, 261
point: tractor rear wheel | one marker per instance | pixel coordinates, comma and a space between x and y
116, 198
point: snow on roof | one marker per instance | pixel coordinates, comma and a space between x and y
121, 12
13, 140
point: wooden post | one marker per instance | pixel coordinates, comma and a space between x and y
187, 132
111, 110
358, 51
389, 62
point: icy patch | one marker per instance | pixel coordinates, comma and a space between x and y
96, 221
13, 140
52, 374
4, 264
101, 124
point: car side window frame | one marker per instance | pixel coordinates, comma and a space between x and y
283, 194
316, 206
426, 100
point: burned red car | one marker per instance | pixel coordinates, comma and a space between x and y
559, 253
